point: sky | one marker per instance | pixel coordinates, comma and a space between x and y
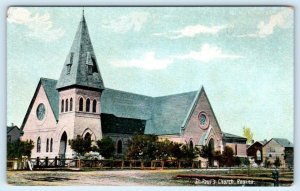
242, 56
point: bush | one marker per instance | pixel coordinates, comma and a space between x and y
277, 162
19, 148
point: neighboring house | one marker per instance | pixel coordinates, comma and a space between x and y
281, 148
237, 143
255, 151
79, 104
13, 133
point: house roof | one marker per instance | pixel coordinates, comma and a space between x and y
80, 58
283, 142
9, 128
232, 136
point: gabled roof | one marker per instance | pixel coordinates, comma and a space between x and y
283, 142
81, 57
9, 128
256, 142
49, 86
52, 94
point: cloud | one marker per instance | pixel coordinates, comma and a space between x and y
134, 21
191, 31
148, 62
207, 53
39, 26
264, 29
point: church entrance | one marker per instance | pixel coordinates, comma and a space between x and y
211, 148
63, 146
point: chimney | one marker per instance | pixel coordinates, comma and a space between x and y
12, 124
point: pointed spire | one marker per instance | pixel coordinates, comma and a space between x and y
81, 68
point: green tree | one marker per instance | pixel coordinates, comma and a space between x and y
81, 145
176, 151
19, 148
248, 134
227, 154
189, 153
143, 147
163, 149
106, 147
205, 152
277, 162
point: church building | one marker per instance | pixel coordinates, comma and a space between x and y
78, 103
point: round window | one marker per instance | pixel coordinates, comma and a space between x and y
203, 120
40, 111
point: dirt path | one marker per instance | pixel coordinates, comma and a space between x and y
114, 178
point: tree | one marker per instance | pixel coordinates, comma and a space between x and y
106, 147
227, 154
189, 153
237, 161
142, 147
267, 162
19, 148
248, 134
277, 162
205, 152
176, 151
81, 145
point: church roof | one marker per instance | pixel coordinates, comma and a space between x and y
80, 67
169, 113
163, 115
52, 94
49, 86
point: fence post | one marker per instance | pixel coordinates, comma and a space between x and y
38, 161
46, 161
55, 161
162, 164
142, 164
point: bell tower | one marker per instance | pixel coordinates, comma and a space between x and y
80, 86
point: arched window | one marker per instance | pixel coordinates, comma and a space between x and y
258, 155
38, 145
81, 104
67, 105
191, 145
94, 106
71, 104
87, 105
47, 145
119, 147
51, 145
62, 105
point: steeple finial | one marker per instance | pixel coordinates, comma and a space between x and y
82, 11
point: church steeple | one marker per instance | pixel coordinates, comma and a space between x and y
81, 68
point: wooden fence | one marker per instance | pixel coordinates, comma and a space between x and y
67, 163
